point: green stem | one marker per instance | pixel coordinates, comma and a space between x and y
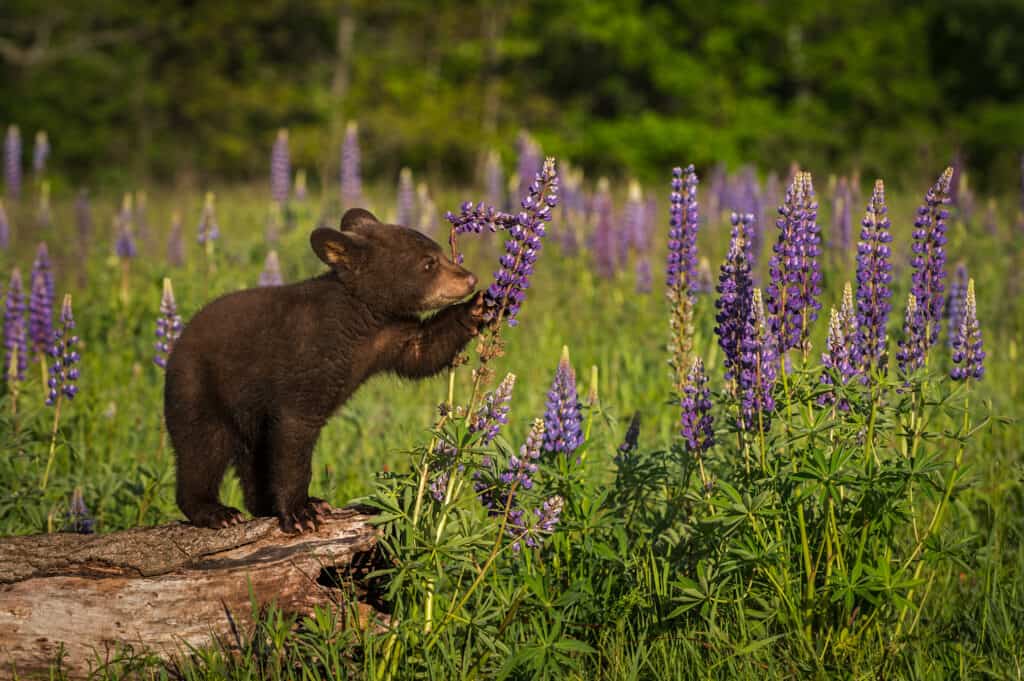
53, 442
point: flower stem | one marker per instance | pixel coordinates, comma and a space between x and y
53, 442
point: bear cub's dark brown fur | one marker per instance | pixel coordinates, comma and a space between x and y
256, 374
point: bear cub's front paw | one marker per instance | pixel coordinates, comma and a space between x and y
474, 313
306, 517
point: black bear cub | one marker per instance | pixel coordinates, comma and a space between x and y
256, 374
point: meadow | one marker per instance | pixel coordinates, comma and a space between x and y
865, 525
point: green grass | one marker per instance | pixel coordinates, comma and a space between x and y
110, 444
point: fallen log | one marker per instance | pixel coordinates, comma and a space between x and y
161, 589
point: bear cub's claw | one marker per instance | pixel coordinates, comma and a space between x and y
218, 517
306, 518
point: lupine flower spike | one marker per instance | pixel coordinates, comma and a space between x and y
40, 152
493, 413
64, 370
427, 209
968, 355
758, 362
604, 230
168, 326
15, 337
406, 209
505, 295
839, 357
44, 212
929, 259
271, 274
5, 228
562, 430
955, 302
696, 422
209, 230
175, 242
280, 168
80, 521
914, 345
351, 180
874, 274
681, 269
734, 300
300, 190
63, 382
40, 313
12, 162
795, 274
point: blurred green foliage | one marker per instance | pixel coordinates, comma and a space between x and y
194, 90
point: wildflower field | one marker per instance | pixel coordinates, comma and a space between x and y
750, 424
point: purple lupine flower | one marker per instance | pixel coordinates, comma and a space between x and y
12, 162
168, 326
529, 160
954, 308
83, 220
40, 313
124, 243
914, 345
64, 370
758, 363
795, 274
406, 214
684, 218
644, 276
929, 259
280, 167
734, 289
631, 234
351, 178
545, 520
445, 454
300, 191
841, 221
5, 228
15, 338
175, 242
42, 306
495, 490
874, 274
426, 209
494, 181
40, 152
271, 274
604, 231
696, 422
209, 230
573, 211
79, 520
840, 351
479, 217
968, 355
562, 431
631, 440
493, 413
506, 294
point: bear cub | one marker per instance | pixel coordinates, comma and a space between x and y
256, 374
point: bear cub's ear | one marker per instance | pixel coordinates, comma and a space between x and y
355, 217
338, 249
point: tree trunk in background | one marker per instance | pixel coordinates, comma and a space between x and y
164, 588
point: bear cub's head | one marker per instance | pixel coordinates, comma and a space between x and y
393, 269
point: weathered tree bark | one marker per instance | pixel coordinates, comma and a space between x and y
160, 588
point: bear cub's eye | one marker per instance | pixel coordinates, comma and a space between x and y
429, 264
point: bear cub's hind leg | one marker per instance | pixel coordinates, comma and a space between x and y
203, 457
290, 457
